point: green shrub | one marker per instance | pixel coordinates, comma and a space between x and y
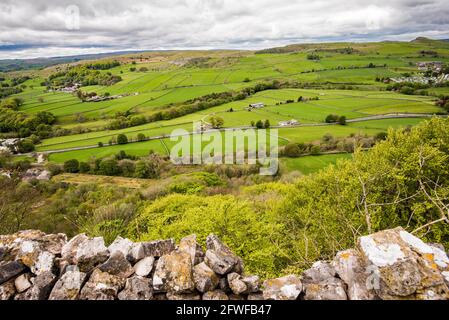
71, 166
122, 139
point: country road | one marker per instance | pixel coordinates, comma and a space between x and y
368, 118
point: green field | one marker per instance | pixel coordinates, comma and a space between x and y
175, 77
311, 164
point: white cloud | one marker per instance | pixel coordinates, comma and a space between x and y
39, 27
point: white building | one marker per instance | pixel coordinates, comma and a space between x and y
289, 123
258, 105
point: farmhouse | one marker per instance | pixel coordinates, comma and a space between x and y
258, 105
70, 88
289, 123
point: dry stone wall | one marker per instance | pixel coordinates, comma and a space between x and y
391, 264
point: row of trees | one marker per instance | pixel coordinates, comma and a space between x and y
82, 75
105, 65
259, 124
120, 165
20, 124
334, 118
329, 143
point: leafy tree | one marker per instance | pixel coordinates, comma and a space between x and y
292, 150
315, 150
259, 124
141, 137
127, 167
142, 170
84, 167
109, 167
332, 118
267, 124
26, 146
122, 139
216, 122
71, 166
342, 120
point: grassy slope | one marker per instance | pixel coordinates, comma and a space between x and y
168, 81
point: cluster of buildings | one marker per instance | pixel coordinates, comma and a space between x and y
68, 89
258, 105
442, 78
106, 98
289, 123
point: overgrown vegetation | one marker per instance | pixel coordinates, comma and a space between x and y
402, 181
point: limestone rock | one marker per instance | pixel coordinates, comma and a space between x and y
91, 253
159, 248
205, 278
121, 245
215, 295
3, 254
137, 288
285, 288
144, 267
51, 243
42, 285
102, 286
117, 265
23, 283
70, 249
174, 273
137, 252
9, 270
329, 289
236, 284
320, 271
223, 285
34, 254
190, 245
7, 290
402, 266
68, 286
349, 266
220, 258
252, 283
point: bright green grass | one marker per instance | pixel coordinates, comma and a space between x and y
310, 164
91, 139
137, 149
308, 134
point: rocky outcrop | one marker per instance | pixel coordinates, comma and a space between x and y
391, 264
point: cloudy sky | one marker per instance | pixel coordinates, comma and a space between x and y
42, 28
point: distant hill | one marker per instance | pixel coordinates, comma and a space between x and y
353, 47
40, 63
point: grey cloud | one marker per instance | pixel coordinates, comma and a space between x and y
39, 27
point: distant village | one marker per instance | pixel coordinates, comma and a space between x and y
436, 67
